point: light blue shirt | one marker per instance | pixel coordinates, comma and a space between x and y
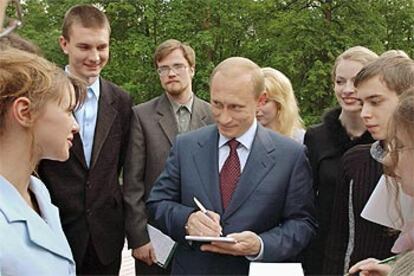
32, 244
86, 116
243, 151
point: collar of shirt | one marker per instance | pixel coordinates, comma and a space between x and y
246, 139
94, 86
188, 104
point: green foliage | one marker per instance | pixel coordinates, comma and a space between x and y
298, 37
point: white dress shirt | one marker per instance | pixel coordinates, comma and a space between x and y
86, 116
243, 151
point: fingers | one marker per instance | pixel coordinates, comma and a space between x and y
145, 254
200, 224
357, 267
221, 248
248, 244
370, 267
214, 216
375, 269
152, 255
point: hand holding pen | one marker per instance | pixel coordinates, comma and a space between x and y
203, 222
372, 266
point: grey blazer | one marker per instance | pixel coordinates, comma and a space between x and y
153, 131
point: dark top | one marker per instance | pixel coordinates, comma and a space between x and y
369, 239
326, 143
90, 198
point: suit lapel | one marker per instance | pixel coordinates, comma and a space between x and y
41, 233
46, 232
77, 150
105, 119
167, 120
257, 166
199, 115
208, 171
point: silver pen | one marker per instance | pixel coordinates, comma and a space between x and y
203, 210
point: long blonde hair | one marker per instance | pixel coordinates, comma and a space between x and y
279, 89
358, 54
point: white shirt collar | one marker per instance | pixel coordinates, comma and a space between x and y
94, 86
246, 139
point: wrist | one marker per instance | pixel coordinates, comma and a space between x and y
257, 245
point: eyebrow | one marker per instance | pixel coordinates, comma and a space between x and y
372, 97
87, 44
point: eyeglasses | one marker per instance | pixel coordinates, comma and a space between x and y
176, 68
13, 22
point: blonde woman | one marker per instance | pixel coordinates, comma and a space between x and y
341, 129
278, 109
36, 122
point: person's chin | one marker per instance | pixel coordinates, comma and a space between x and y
92, 73
176, 93
64, 157
377, 136
227, 132
354, 107
60, 157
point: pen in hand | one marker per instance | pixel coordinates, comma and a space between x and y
387, 260
384, 261
203, 210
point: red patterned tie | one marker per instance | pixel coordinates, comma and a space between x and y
230, 173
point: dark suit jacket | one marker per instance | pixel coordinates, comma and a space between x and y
153, 131
274, 199
90, 199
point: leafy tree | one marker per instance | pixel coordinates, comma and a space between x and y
301, 38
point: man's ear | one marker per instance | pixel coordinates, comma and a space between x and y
192, 68
21, 111
63, 44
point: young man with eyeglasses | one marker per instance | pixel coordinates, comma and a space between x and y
154, 126
86, 188
352, 238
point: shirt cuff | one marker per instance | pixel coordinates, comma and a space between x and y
259, 256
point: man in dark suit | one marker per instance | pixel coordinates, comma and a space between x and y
154, 126
86, 187
256, 184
